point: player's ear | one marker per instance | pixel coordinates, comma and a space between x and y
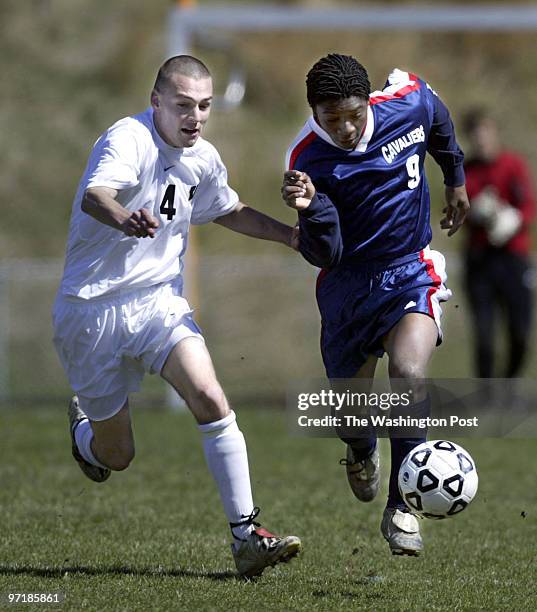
155, 99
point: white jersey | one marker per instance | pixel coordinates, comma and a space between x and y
178, 186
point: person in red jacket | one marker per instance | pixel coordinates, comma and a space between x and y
497, 267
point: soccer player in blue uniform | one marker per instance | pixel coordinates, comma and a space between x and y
355, 174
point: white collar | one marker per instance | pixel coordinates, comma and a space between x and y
362, 143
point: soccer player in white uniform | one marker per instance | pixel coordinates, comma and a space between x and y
119, 311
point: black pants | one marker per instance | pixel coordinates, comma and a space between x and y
499, 283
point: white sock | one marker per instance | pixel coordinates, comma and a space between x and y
227, 458
83, 438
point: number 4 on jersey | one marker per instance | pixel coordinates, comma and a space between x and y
166, 207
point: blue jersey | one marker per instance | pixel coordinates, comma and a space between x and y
372, 202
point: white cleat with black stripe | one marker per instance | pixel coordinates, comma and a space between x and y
262, 549
402, 532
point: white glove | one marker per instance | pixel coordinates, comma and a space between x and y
484, 206
506, 224
500, 220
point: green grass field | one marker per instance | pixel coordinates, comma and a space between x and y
154, 537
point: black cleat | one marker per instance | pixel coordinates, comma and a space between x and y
93, 472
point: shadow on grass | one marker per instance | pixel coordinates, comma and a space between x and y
113, 570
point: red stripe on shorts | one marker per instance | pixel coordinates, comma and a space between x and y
437, 281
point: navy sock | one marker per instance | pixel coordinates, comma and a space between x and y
363, 445
400, 447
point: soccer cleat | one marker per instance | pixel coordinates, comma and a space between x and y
402, 532
262, 549
363, 475
93, 472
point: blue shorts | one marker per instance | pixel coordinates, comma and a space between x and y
360, 303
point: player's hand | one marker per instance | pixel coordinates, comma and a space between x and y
456, 209
297, 189
141, 224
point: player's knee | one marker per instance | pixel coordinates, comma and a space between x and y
209, 400
409, 371
410, 377
120, 458
118, 463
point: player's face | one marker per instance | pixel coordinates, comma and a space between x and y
344, 120
484, 140
182, 109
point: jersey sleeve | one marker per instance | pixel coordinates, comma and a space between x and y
442, 143
116, 158
320, 240
214, 197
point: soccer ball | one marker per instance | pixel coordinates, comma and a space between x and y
438, 479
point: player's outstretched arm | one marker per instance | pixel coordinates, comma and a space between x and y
456, 209
100, 203
250, 222
319, 238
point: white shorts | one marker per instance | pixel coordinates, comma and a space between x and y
107, 344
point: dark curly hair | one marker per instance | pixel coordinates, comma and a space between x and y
335, 77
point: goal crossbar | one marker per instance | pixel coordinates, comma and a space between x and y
412, 18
